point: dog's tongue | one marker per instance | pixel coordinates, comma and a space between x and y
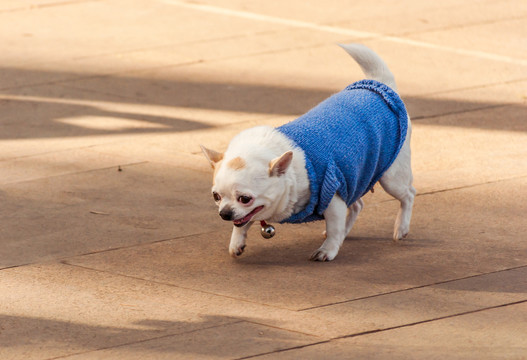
248, 216
242, 220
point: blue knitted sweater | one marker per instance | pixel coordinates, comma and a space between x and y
349, 140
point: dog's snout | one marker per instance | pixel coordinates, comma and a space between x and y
227, 213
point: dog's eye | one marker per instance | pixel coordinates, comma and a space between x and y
216, 196
244, 199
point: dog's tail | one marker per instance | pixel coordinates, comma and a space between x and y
371, 64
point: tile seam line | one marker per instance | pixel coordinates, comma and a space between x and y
177, 44
469, 186
286, 349
87, 147
413, 288
44, 6
73, 173
102, 75
448, 27
65, 262
283, 328
450, 113
74, 79
343, 31
472, 87
433, 192
465, 26
97, 76
386, 329
434, 319
420, 96
146, 340
158, 162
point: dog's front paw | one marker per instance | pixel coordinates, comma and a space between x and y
323, 254
236, 251
401, 232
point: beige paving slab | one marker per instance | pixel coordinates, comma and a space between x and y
238, 85
43, 45
231, 341
485, 37
203, 98
55, 310
62, 118
17, 149
460, 149
55, 111
232, 49
145, 25
182, 149
291, 82
210, 101
293, 10
55, 164
250, 41
492, 334
159, 281
488, 334
413, 12
96, 210
446, 242
423, 304
421, 71
337, 11
500, 118
27, 5
424, 17
464, 100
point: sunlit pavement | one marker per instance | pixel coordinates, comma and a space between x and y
111, 244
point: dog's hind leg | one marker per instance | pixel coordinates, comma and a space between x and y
353, 213
397, 181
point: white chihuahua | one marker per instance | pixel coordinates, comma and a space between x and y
321, 164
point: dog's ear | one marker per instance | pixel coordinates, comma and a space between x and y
278, 166
212, 156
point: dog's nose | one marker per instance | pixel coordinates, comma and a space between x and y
226, 214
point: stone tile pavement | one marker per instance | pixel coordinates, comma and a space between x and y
111, 247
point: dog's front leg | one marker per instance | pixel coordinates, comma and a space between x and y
239, 234
335, 216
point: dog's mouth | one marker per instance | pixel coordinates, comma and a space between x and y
241, 222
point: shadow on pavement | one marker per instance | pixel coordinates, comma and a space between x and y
34, 111
217, 336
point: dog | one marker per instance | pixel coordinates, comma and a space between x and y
298, 172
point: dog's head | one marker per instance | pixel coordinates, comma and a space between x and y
248, 185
